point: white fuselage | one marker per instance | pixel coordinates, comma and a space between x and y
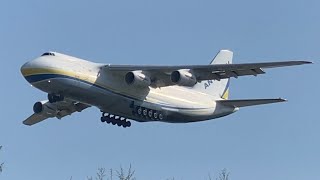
90, 83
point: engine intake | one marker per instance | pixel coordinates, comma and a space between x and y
137, 78
42, 108
38, 107
183, 78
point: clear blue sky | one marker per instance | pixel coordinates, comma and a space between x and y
279, 141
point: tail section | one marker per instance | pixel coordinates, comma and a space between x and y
213, 87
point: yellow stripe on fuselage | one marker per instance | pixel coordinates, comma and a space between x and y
36, 71
80, 76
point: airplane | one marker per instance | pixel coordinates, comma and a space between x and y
143, 93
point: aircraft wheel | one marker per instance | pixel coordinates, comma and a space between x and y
55, 98
103, 119
51, 98
116, 122
150, 113
145, 112
155, 115
160, 116
139, 111
128, 123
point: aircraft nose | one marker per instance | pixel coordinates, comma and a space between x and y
24, 68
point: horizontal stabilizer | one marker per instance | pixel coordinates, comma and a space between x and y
249, 102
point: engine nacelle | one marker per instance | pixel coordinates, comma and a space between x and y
183, 77
42, 108
136, 78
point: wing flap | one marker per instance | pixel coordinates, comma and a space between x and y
249, 102
228, 74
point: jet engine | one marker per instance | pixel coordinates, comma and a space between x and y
137, 78
44, 108
183, 77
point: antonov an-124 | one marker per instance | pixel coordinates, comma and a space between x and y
143, 93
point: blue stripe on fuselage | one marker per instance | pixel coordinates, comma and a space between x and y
42, 77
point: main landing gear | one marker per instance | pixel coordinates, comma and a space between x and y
55, 98
115, 120
147, 113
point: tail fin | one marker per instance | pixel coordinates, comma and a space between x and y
213, 87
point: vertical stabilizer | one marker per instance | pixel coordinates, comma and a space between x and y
217, 88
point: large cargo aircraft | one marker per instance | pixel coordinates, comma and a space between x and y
144, 93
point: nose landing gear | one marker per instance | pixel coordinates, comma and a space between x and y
115, 120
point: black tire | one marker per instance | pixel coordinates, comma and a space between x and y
55, 98
155, 115
103, 119
139, 111
128, 123
160, 116
60, 97
108, 121
51, 98
145, 112
150, 113
124, 124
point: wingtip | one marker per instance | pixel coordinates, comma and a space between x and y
25, 122
282, 100
307, 62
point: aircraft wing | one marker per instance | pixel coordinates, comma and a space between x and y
44, 110
249, 102
161, 74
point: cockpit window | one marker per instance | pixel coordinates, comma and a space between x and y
48, 54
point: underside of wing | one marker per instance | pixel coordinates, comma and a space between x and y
34, 119
44, 110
